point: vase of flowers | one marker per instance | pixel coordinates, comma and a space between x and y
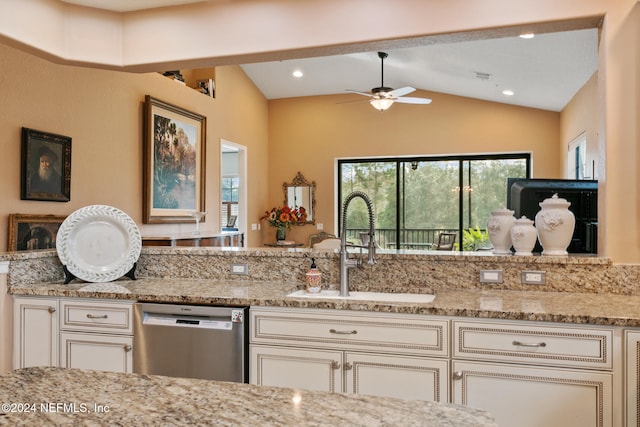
282, 218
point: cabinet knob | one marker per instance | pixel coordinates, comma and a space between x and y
52, 309
457, 375
128, 348
335, 365
348, 366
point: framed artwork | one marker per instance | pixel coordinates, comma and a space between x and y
45, 167
30, 232
174, 163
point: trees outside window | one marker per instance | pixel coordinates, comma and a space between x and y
415, 199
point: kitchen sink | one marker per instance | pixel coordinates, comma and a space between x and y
365, 296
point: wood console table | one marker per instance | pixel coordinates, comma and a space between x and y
222, 239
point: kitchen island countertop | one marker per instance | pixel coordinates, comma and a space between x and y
56, 396
563, 307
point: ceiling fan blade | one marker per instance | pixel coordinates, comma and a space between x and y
356, 100
359, 92
400, 92
413, 100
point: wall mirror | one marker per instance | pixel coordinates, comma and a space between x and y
301, 192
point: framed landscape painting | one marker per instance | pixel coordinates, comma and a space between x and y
45, 166
30, 232
174, 163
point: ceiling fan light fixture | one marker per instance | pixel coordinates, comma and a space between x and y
381, 104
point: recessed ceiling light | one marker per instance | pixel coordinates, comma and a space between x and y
508, 92
527, 36
297, 73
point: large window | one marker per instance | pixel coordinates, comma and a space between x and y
416, 199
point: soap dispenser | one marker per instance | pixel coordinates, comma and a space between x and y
314, 278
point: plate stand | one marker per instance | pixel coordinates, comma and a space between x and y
69, 276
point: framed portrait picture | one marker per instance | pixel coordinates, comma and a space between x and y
174, 163
45, 167
30, 232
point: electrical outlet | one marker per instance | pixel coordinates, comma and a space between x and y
319, 226
533, 277
254, 227
242, 269
490, 276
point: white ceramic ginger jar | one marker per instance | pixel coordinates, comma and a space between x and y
555, 224
523, 236
499, 229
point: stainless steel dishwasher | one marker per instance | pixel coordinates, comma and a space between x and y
191, 341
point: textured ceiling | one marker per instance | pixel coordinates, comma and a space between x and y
544, 72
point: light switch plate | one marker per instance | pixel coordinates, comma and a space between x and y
490, 276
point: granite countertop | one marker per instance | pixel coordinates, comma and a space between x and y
566, 307
57, 396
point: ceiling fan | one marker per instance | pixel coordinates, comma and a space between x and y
383, 97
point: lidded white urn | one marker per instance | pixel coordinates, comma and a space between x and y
523, 236
499, 228
555, 224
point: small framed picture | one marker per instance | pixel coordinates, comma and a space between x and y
207, 87
45, 167
231, 222
30, 232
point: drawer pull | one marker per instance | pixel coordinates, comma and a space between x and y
524, 344
93, 316
352, 332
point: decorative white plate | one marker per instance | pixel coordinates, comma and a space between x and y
98, 243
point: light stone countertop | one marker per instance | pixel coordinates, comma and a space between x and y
79, 397
564, 307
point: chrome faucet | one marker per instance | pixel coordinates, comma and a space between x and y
347, 263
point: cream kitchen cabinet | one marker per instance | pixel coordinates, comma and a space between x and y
35, 332
96, 335
353, 352
73, 333
632, 377
535, 375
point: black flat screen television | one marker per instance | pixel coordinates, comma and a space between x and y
524, 197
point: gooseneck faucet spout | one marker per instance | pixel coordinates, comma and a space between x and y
347, 263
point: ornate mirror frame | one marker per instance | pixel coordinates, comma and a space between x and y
300, 192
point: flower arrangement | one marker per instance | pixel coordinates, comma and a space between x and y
285, 216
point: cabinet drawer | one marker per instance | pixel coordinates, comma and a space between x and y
520, 343
97, 316
396, 333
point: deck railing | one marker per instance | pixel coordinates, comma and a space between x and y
410, 238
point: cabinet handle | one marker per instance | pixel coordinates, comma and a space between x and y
128, 348
348, 366
335, 364
93, 316
352, 332
524, 344
52, 309
457, 375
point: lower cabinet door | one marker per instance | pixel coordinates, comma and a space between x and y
112, 353
534, 397
319, 370
35, 332
403, 377
632, 378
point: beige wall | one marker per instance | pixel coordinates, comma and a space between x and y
308, 134
102, 112
579, 117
